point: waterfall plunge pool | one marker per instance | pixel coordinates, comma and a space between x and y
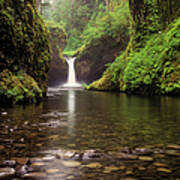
92, 135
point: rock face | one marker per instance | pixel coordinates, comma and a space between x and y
24, 52
91, 61
58, 68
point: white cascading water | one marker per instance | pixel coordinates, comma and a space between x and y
71, 81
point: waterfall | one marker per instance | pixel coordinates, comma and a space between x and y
71, 71
71, 80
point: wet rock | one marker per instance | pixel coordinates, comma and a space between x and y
71, 164
93, 165
35, 175
122, 168
48, 158
129, 173
165, 170
141, 168
6, 173
70, 177
158, 164
145, 158
109, 169
4, 113
53, 137
91, 154
65, 154
22, 170
52, 171
38, 164
142, 151
9, 163
173, 146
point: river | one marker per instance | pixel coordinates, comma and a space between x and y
75, 134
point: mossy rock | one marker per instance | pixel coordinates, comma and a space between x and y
58, 40
19, 88
24, 41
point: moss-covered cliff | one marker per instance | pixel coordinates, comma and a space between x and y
151, 62
24, 52
58, 68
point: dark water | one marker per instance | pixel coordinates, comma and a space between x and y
94, 135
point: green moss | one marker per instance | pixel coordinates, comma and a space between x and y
24, 41
19, 88
103, 84
58, 38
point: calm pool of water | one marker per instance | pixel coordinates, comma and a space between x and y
94, 135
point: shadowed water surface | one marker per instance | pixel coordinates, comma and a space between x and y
76, 134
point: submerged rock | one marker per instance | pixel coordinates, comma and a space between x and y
35, 175
71, 164
164, 170
145, 158
93, 165
6, 173
9, 163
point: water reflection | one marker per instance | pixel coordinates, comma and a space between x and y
71, 102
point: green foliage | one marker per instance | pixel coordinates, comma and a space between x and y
19, 88
151, 62
107, 23
152, 69
103, 84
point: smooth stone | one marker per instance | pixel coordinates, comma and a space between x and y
145, 158
158, 164
109, 169
173, 146
53, 137
71, 164
122, 168
35, 175
6, 173
52, 171
129, 172
22, 170
70, 177
38, 164
65, 154
9, 163
164, 170
48, 158
93, 165
4, 113
132, 157
141, 168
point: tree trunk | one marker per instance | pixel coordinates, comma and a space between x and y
107, 5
